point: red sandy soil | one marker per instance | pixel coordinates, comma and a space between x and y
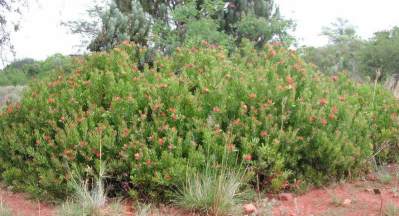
21, 206
367, 197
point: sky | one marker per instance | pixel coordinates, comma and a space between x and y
41, 34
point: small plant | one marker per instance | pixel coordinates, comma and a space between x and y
335, 200
384, 177
4, 210
265, 207
215, 193
142, 209
90, 200
395, 192
391, 210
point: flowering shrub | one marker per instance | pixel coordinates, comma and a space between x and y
153, 125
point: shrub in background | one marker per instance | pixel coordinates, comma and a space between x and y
266, 109
21, 72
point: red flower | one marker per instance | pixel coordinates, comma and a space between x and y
51, 100
82, 143
125, 132
270, 102
334, 109
289, 80
47, 138
236, 122
252, 96
247, 157
216, 109
230, 147
174, 117
323, 121
161, 141
331, 116
263, 134
10, 109
272, 53
163, 85
62, 119
334, 78
126, 42
168, 177
323, 102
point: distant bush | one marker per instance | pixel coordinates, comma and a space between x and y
267, 110
22, 71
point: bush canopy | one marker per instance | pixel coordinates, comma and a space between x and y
154, 124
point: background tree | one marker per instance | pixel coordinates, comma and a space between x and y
340, 54
118, 26
381, 52
166, 24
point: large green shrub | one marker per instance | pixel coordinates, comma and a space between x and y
265, 109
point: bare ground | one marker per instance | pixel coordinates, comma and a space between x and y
372, 196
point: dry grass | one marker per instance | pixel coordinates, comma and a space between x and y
90, 200
4, 210
391, 210
212, 193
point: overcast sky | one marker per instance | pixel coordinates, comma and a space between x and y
42, 35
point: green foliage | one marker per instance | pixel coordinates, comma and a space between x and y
381, 52
265, 109
175, 23
23, 71
342, 52
361, 58
118, 26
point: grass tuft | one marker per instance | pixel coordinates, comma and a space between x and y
90, 199
215, 193
391, 210
143, 209
4, 210
384, 177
